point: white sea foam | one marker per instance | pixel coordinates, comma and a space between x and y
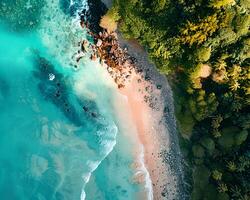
61, 34
63, 134
148, 182
107, 147
129, 129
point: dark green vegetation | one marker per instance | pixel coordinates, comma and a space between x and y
205, 46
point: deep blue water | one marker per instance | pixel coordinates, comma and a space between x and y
50, 147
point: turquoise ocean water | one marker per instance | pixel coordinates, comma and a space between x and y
50, 147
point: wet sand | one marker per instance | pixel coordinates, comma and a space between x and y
151, 132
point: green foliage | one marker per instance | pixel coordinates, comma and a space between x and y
217, 175
221, 3
244, 51
220, 73
238, 194
203, 105
223, 196
198, 161
197, 33
201, 179
160, 5
113, 13
208, 144
216, 133
210, 193
244, 121
242, 23
203, 54
235, 75
222, 187
227, 36
217, 121
194, 76
245, 4
186, 123
244, 164
227, 140
231, 166
241, 137
198, 151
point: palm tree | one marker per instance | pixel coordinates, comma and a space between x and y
236, 192
231, 166
216, 133
236, 105
234, 72
234, 85
220, 65
216, 175
222, 187
217, 121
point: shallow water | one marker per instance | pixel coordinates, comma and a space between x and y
50, 148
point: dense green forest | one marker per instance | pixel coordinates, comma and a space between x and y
204, 48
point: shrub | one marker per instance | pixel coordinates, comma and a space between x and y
110, 19
198, 151
221, 3
208, 144
203, 54
241, 137
227, 140
201, 179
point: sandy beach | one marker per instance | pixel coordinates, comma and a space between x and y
151, 133
148, 113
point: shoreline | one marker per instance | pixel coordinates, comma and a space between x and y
149, 131
170, 155
149, 98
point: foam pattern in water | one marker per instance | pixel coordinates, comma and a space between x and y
59, 135
50, 145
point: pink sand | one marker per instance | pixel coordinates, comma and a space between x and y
149, 133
